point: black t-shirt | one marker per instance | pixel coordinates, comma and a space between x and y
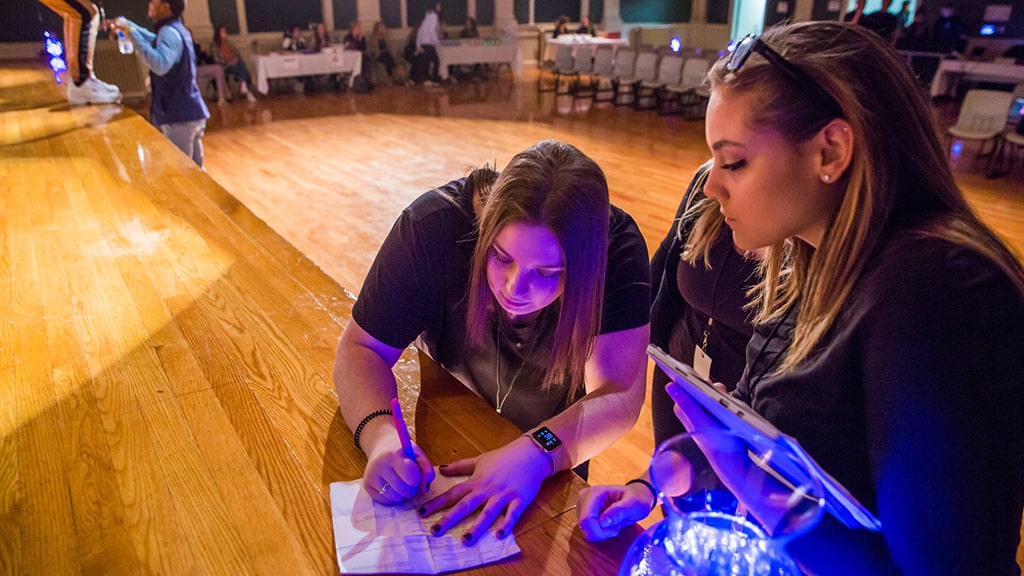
914, 401
686, 295
417, 288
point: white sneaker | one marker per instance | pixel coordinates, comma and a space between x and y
250, 97
111, 88
429, 84
91, 92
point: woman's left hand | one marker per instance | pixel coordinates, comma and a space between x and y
501, 485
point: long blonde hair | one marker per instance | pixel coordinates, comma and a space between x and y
899, 178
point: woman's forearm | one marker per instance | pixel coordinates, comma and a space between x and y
615, 381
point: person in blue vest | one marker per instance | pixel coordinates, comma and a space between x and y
177, 107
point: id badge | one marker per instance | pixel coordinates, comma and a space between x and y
702, 363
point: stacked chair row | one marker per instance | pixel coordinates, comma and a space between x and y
669, 83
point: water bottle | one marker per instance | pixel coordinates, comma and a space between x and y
124, 44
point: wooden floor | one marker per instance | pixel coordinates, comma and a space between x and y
330, 172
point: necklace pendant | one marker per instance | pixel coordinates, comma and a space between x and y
499, 410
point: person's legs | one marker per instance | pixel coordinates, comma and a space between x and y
198, 131
238, 70
179, 135
81, 20
215, 73
432, 63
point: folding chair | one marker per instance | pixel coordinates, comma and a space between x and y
564, 65
584, 64
645, 68
690, 95
669, 72
601, 75
622, 67
983, 116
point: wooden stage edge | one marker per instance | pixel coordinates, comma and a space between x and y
166, 398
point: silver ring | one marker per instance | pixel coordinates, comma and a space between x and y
384, 487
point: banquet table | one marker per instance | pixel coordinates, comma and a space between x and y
950, 71
480, 51
331, 60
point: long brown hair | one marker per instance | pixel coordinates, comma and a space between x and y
899, 177
557, 186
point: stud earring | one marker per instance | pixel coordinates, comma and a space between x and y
826, 177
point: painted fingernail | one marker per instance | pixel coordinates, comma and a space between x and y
500, 533
435, 529
467, 539
423, 511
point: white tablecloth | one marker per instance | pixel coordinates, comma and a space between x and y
579, 40
480, 51
329, 61
949, 72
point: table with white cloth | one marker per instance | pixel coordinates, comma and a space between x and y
330, 60
948, 75
480, 51
580, 40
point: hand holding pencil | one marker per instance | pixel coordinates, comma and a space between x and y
397, 469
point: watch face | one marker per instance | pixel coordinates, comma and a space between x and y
547, 439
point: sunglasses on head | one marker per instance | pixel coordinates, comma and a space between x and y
742, 49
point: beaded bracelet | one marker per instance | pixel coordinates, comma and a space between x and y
370, 416
649, 487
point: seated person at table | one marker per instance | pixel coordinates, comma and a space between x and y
207, 70
470, 31
225, 53
378, 47
321, 38
586, 27
356, 42
535, 293
903, 376
293, 41
561, 26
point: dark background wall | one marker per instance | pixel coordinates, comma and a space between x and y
25, 20
654, 11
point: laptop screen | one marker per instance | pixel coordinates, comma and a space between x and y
1016, 110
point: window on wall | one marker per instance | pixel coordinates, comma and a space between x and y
263, 16
596, 11
453, 12
345, 11
484, 12
225, 13
655, 11
391, 13
718, 11
550, 10
522, 11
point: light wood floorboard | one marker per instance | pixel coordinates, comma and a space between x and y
330, 172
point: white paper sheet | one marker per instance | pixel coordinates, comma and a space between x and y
371, 538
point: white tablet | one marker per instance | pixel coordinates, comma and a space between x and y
742, 419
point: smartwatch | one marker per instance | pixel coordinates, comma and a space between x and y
546, 439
